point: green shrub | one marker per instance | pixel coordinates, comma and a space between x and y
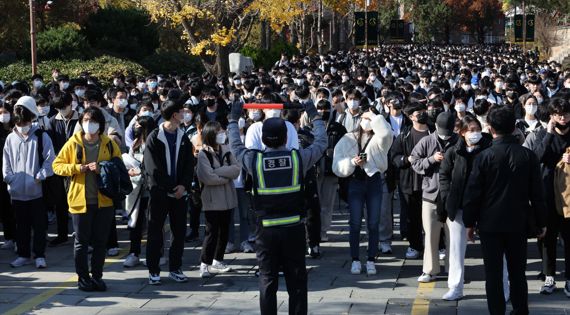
63, 43
127, 33
169, 61
102, 67
266, 59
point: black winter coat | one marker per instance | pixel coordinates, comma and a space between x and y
453, 174
504, 193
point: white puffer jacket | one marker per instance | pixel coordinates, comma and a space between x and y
377, 150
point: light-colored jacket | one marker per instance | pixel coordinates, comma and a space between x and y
377, 150
218, 192
21, 164
562, 188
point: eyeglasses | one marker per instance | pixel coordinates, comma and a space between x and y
564, 115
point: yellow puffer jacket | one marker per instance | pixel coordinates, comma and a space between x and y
66, 164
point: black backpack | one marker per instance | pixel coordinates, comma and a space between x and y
335, 131
113, 179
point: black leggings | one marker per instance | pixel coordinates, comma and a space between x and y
217, 233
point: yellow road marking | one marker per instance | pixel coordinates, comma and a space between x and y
29, 304
421, 303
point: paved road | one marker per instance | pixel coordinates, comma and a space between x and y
332, 289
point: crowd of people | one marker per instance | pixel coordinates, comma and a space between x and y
466, 138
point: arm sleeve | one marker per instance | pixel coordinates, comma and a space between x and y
64, 163
314, 152
399, 159
206, 173
7, 172
445, 172
536, 190
243, 156
421, 162
158, 175
46, 169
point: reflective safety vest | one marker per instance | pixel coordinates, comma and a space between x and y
277, 190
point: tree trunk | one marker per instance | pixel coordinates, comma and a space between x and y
222, 65
320, 27
333, 36
263, 35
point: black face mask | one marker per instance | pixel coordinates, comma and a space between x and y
562, 127
422, 118
512, 94
210, 102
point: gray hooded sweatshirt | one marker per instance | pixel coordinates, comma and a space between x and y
21, 164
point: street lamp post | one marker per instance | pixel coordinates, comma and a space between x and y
33, 36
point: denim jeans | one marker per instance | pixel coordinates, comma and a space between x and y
361, 192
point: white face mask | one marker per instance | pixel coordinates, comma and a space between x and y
146, 113
539, 100
352, 104
366, 125
141, 86
221, 138
23, 129
134, 106
123, 103
80, 92
90, 127
241, 123
38, 84
530, 109
460, 107
43, 110
5, 118
187, 118
473, 137
466, 87
499, 85
64, 85
273, 113
254, 115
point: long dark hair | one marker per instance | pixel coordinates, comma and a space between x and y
147, 125
210, 132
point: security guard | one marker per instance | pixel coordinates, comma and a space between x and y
278, 202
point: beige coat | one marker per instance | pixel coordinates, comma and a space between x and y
218, 192
562, 188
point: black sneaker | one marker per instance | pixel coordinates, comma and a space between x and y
99, 285
85, 284
178, 276
57, 241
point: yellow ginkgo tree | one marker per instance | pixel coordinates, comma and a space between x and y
212, 29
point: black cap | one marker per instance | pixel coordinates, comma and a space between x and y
445, 123
274, 132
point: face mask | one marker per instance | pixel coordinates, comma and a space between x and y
539, 100
64, 85
5, 118
432, 113
90, 127
80, 92
123, 103
460, 107
530, 109
65, 112
221, 138
444, 138
345, 78
153, 85
24, 129
422, 118
352, 104
141, 86
512, 94
210, 102
273, 113
473, 137
43, 110
499, 85
187, 118
241, 123
146, 113
562, 127
38, 84
365, 124
134, 106
567, 85
466, 87
254, 115
74, 104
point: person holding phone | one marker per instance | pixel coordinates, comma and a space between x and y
362, 156
169, 168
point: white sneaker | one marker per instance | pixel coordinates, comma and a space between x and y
452, 295
425, 278
370, 268
549, 286
178, 276
356, 267
412, 253
230, 248
20, 261
154, 278
131, 261
385, 248
442, 253
204, 271
112, 252
41, 263
220, 267
9, 244
246, 247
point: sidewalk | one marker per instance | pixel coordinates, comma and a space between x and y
332, 289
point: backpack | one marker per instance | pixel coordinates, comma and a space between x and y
335, 131
113, 179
